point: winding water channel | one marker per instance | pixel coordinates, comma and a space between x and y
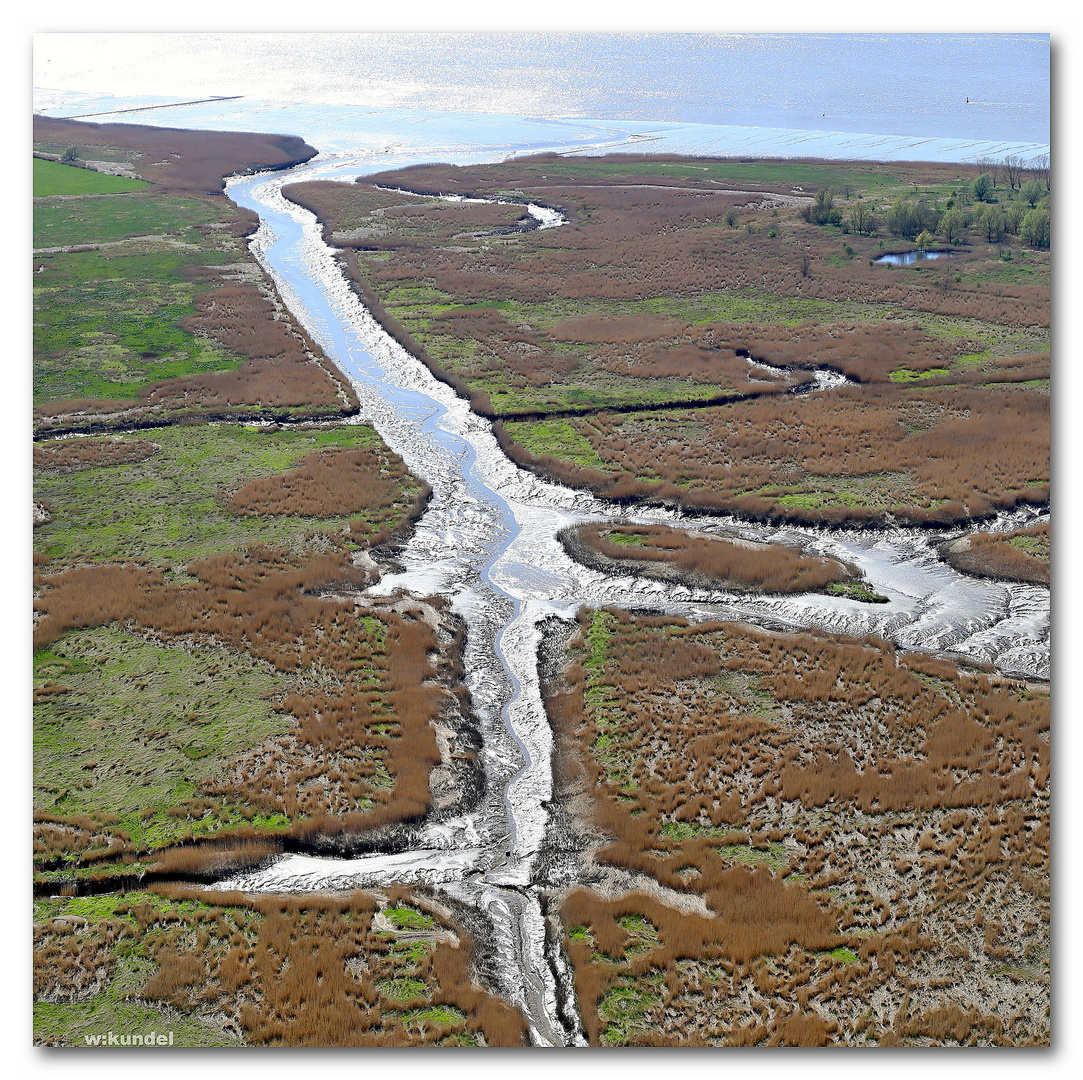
487, 541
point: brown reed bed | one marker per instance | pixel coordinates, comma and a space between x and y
862, 454
657, 551
177, 159
639, 241
363, 969
72, 455
868, 831
1020, 555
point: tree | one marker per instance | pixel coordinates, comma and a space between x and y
860, 219
990, 220
907, 218
1016, 211
731, 217
1035, 228
822, 211
70, 154
1013, 168
953, 225
1040, 167
982, 188
1032, 191
989, 165
924, 240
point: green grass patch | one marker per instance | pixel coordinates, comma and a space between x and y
905, 375
117, 1009
1032, 545
886, 490
408, 918
115, 217
845, 956
598, 636
106, 324
168, 508
56, 178
138, 727
626, 539
402, 989
971, 360
856, 590
443, 1015
592, 393
775, 856
642, 931
410, 954
625, 1005
556, 438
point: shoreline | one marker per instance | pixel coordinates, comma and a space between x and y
603, 134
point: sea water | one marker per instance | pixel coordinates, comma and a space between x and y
946, 97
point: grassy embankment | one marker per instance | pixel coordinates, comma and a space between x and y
219, 969
869, 833
148, 306
660, 287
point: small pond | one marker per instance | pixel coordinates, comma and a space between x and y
906, 258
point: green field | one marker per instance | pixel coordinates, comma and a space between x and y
106, 218
558, 438
168, 508
105, 320
55, 178
106, 324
